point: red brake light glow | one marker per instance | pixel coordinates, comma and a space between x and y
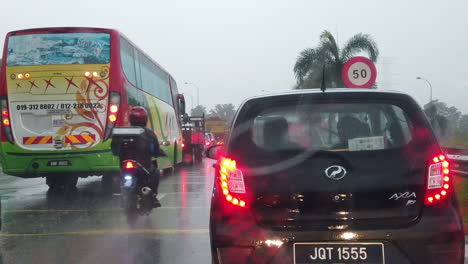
129, 165
438, 179
5, 112
182, 145
232, 182
6, 122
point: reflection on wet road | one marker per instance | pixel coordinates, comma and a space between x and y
90, 227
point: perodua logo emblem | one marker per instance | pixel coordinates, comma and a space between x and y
335, 172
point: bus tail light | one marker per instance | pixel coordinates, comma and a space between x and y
6, 122
232, 182
438, 180
112, 113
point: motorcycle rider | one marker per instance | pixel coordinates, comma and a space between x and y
145, 148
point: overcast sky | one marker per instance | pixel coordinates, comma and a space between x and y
233, 50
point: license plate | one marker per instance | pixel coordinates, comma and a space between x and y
339, 253
58, 163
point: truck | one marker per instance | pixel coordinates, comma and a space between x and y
218, 127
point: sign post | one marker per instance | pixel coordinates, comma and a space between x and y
359, 72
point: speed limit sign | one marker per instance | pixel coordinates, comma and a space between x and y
359, 72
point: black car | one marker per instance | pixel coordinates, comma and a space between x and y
342, 176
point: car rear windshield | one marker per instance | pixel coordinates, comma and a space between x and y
58, 48
333, 127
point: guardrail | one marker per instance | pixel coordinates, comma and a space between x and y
459, 158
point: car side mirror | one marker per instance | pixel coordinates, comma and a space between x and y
214, 152
181, 104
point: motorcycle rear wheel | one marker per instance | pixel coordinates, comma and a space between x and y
130, 207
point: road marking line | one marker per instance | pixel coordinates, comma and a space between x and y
161, 196
111, 232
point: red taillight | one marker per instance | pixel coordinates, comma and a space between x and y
113, 109
182, 145
112, 113
207, 143
438, 178
6, 119
232, 182
112, 118
129, 165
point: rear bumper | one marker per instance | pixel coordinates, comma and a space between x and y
437, 237
31, 164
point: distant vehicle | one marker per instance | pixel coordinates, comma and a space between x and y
459, 158
62, 96
209, 140
194, 139
217, 127
342, 176
209, 136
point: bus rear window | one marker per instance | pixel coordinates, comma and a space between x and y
58, 49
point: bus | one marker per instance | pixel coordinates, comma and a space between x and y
62, 90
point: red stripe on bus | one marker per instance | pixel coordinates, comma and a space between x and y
37, 140
80, 139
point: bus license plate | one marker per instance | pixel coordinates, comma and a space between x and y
58, 163
331, 253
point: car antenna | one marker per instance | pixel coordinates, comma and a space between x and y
322, 83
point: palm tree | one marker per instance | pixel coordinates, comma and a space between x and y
309, 64
438, 121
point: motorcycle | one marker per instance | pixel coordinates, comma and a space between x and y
137, 196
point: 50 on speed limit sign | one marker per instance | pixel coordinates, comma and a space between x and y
359, 72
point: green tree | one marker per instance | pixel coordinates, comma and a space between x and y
444, 119
463, 125
224, 111
198, 110
309, 64
438, 122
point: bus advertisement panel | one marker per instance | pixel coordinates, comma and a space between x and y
62, 90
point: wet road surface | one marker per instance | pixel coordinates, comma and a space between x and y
90, 227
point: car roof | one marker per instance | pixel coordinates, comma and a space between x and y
337, 91
328, 91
